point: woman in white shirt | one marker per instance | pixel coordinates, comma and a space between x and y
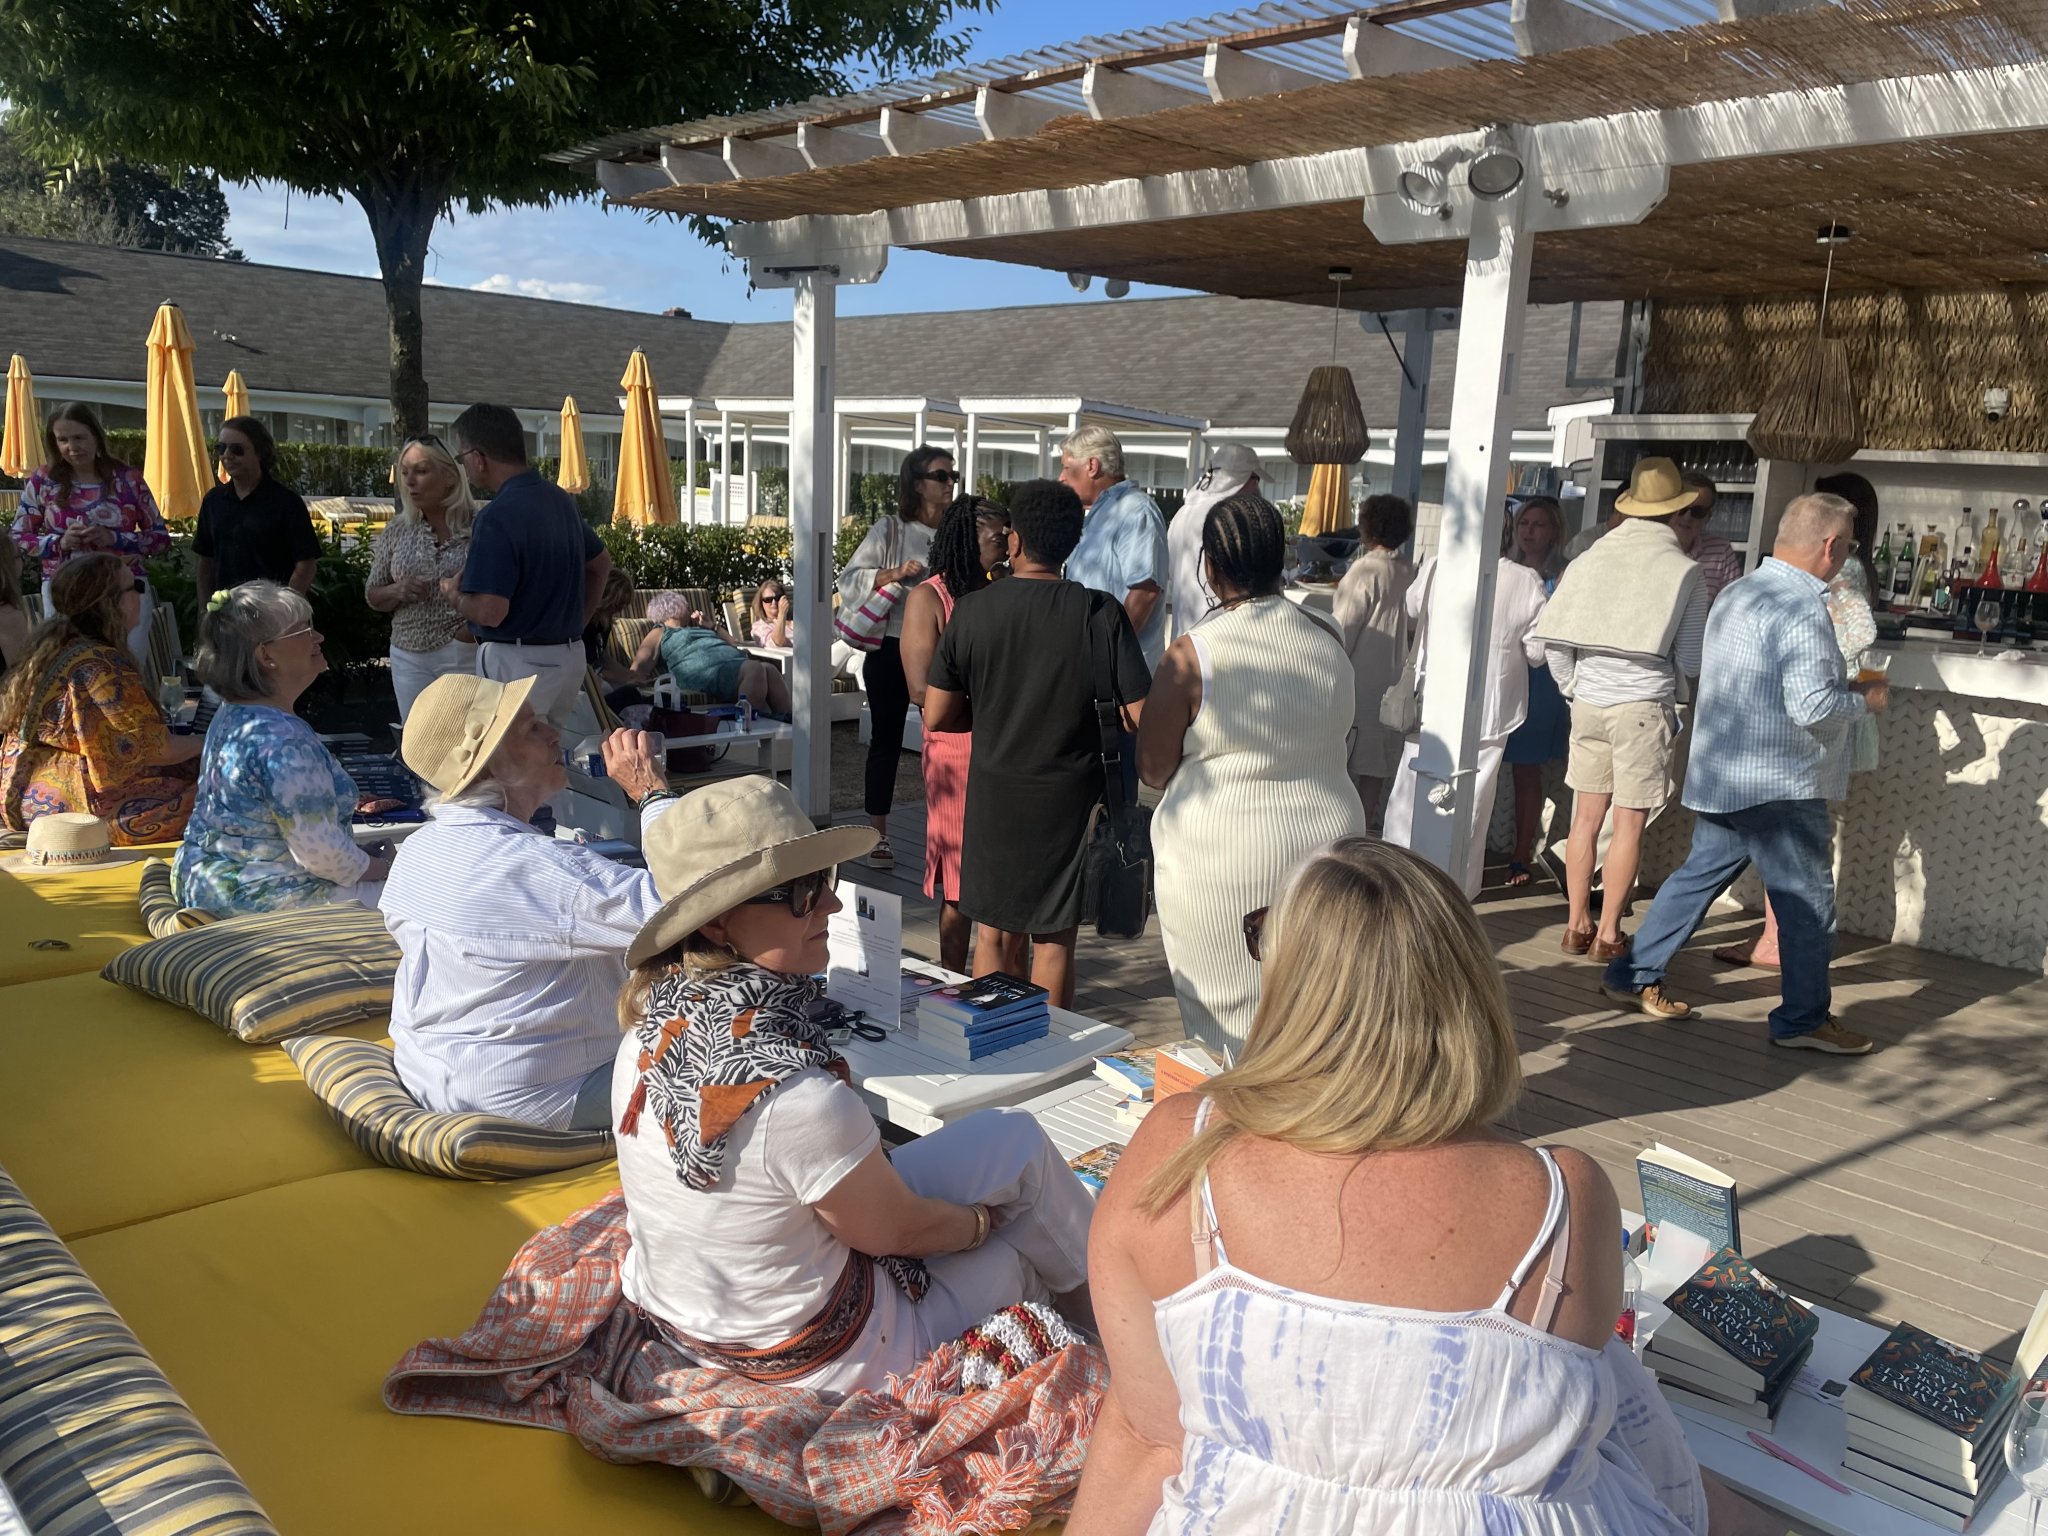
771, 1234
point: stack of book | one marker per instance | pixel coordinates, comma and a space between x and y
1143, 1075
1733, 1344
1926, 1421
978, 1018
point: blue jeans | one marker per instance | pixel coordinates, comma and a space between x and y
1790, 842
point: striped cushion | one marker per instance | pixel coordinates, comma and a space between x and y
161, 914
93, 1439
271, 974
359, 1083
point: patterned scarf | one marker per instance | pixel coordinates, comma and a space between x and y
713, 1046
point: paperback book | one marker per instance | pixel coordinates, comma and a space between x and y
948, 1039
985, 1001
1093, 1166
1182, 1066
1732, 1306
1128, 1071
1690, 1193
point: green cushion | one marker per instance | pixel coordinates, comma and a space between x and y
359, 1083
269, 975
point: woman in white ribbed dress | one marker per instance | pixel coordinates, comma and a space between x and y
1245, 729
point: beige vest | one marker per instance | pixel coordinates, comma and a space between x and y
1627, 593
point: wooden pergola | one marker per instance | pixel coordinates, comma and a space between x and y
1452, 154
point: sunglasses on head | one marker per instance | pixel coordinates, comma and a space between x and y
425, 439
800, 895
1255, 931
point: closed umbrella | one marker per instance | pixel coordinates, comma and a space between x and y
21, 448
1325, 508
574, 474
174, 461
644, 493
234, 396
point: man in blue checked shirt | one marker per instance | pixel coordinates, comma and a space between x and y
1773, 717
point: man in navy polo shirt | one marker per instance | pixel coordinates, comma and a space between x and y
536, 569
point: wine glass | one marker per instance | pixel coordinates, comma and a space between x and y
2026, 1447
1987, 617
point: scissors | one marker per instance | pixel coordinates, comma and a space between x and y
844, 1026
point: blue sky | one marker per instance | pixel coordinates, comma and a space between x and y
582, 253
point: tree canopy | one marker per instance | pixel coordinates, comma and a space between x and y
112, 204
415, 107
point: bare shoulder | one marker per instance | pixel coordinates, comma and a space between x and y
1587, 1186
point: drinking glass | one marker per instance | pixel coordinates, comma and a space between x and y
2026, 1447
1987, 618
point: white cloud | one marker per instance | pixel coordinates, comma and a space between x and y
541, 288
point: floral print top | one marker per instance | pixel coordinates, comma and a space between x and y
123, 506
406, 549
270, 829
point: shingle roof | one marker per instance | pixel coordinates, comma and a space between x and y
83, 311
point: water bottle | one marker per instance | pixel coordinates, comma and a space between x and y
1631, 1286
746, 716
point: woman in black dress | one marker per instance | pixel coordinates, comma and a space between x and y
1017, 666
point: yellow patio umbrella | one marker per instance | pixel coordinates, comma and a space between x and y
574, 474
234, 396
21, 446
644, 493
1327, 505
174, 459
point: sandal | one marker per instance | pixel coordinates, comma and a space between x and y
882, 856
1518, 873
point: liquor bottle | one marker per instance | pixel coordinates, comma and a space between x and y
1882, 560
1945, 586
1989, 545
1903, 569
1966, 568
1933, 562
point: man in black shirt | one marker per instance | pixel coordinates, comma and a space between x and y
253, 528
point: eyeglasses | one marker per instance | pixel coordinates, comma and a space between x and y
1255, 931
230, 450
770, 597
802, 894
140, 586
946, 476
290, 634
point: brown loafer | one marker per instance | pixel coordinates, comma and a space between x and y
1652, 1000
1602, 950
1575, 942
1830, 1037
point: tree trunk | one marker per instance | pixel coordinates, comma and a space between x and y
402, 213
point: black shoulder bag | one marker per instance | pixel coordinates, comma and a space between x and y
1116, 886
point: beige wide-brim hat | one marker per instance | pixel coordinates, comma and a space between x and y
1655, 490
66, 840
725, 843
456, 724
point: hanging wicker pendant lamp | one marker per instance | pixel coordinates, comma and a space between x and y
1809, 415
1329, 424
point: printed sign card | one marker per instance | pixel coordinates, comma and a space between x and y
867, 952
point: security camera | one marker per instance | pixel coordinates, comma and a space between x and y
1997, 401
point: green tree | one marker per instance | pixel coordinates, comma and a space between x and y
114, 203
414, 108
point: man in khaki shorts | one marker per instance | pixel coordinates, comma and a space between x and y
1623, 628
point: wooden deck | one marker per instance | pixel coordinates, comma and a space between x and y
1911, 1184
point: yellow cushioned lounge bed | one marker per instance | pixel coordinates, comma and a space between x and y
277, 1315
93, 914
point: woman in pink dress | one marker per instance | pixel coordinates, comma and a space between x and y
966, 550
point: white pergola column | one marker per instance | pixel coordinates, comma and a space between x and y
920, 427
969, 469
752, 480
721, 494
813, 504
1411, 429
1045, 466
690, 462
1468, 549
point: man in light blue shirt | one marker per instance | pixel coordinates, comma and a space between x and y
1123, 544
1773, 717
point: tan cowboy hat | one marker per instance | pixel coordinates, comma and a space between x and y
456, 724
1655, 490
68, 840
725, 843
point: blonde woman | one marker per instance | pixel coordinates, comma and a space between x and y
427, 540
1392, 1318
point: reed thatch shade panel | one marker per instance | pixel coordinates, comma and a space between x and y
1329, 424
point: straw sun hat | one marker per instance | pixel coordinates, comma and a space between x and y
725, 843
1655, 490
456, 724
67, 840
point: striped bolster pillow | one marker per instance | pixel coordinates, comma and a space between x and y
358, 1082
161, 914
271, 974
93, 1439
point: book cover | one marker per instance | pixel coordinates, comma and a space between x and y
1130, 1071
1689, 1193
1742, 1311
986, 995
1093, 1166
1181, 1066
1948, 1388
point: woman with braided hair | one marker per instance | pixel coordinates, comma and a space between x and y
967, 547
1246, 731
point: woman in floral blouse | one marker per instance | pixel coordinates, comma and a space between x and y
271, 828
85, 501
428, 539
79, 728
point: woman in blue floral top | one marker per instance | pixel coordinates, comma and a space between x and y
271, 827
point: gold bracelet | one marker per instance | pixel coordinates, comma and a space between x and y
982, 1223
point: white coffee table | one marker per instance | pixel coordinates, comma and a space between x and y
1080, 1117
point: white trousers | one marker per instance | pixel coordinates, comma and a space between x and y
138, 637
411, 671
1039, 1249
1402, 806
557, 669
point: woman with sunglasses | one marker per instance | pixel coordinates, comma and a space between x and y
892, 559
80, 729
770, 620
1392, 1317
771, 1233
254, 528
427, 540
271, 828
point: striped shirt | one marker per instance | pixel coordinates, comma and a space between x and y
1606, 678
1718, 560
1774, 708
